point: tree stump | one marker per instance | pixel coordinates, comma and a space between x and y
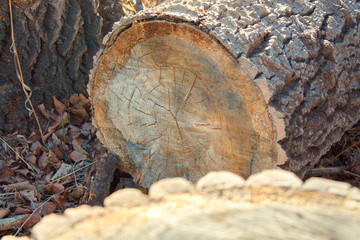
190, 87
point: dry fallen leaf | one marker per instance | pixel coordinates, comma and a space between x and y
80, 140
58, 153
87, 129
31, 159
48, 208
65, 139
77, 98
74, 132
23, 171
77, 156
81, 113
28, 195
78, 192
22, 139
64, 147
26, 185
33, 137
62, 171
4, 212
43, 160
60, 121
59, 201
56, 187
43, 111
36, 148
6, 172
46, 136
52, 157
59, 106
55, 139
32, 220
77, 146
22, 210
17, 153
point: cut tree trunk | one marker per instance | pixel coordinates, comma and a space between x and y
56, 41
190, 87
273, 204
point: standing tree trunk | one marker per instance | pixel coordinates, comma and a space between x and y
194, 86
56, 41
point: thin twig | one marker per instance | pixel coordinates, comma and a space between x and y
27, 164
353, 174
38, 208
19, 74
329, 171
345, 150
325, 171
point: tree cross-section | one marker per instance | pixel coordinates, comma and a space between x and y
190, 87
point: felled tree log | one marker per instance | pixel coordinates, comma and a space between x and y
56, 42
189, 87
273, 204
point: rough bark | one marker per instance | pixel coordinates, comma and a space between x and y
56, 41
273, 204
290, 82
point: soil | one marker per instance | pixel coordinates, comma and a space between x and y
71, 167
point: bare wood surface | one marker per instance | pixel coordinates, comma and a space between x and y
273, 204
174, 101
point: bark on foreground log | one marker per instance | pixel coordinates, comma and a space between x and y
189, 87
273, 204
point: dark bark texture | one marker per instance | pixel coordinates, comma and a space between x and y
56, 41
306, 52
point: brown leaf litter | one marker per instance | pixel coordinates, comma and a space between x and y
38, 179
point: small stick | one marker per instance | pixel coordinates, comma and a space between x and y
346, 149
27, 164
72, 172
38, 208
352, 174
325, 171
329, 171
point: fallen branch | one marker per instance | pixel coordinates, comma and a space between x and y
315, 172
12, 222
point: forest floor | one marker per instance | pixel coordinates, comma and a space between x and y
42, 177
